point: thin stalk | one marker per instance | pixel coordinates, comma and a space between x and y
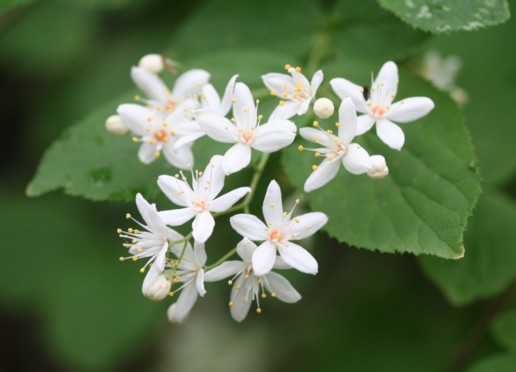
221, 260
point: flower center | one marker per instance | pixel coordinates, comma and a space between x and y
161, 135
201, 205
247, 136
171, 106
378, 111
275, 236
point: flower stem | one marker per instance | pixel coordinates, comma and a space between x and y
221, 260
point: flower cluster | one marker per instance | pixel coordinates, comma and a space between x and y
169, 121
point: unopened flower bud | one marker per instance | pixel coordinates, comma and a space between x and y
158, 289
115, 126
379, 169
152, 63
323, 108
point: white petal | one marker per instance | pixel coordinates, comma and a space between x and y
181, 158
347, 120
178, 311
272, 207
325, 172
317, 136
357, 160
303, 107
151, 275
298, 77
280, 264
410, 109
178, 191
135, 117
249, 226
386, 83
240, 306
285, 111
226, 201
390, 134
316, 81
244, 109
210, 98
263, 258
236, 158
225, 105
150, 84
274, 136
298, 257
190, 83
213, 176
245, 249
278, 82
306, 225
199, 283
150, 215
281, 287
365, 123
187, 139
345, 88
203, 227
177, 217
216, 127
146, 153
161, 257
200, 256
224, 270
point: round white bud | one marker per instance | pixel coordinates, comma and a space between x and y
115, 126
158, 289
152, 63
379, 169
323, 108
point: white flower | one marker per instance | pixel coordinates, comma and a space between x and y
115, 126
323, 108
159, 97
210, 99
245, 131
152, 62
377, 107
152, 243
247, 287
200, 199
158, 289
277, 234
295, 91
337, 149
379, 168
190, 272
171, 134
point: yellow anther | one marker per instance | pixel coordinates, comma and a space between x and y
121, 259
246, 277
288, 67
292, 236
157, 155
137, 98
273, 92
177, 277
136, 231
260, 281
300, 148
149, 119
135, 139
298, 69
285, 95
237, 287
329, 131
231, 304
297, 220
244, 298
337, 124
142, 270
257, 101
393, 95
118, 231
130, 230
316, 139
259, 311
233, 120
330, 157
273, 294
281, 103
264, 295
170, 294
148, 129
315, 123
297, 201
158, 108
140, 250
127, 216
165, 124
233, 100
230, 282
151, 142
135, 258
317, 154
260, 117
314, 167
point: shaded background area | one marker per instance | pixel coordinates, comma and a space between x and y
66, 303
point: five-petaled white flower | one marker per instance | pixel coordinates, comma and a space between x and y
210, 99
161, 133
247, 287
200, 199
278, 232
245, 131
378, 108
337, 149
190, 272
295, 91
154, 243
160, 98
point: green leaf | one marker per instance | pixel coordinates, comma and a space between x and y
66, 270
498, 363
285, 27
504, 330
423, 205
438, 16
489, 265
7, 4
